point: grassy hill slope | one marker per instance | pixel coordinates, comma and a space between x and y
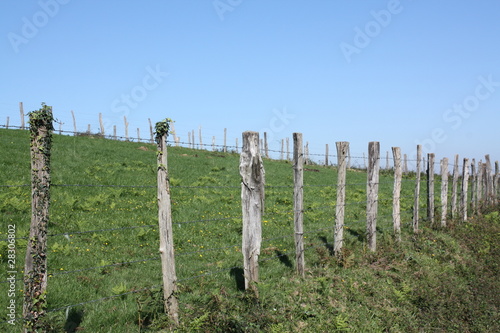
103, 248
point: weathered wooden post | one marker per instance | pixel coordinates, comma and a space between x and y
252, 200
165, 224
372, 194
298, 201
74, 122
338, 238
201, 139
101, 124
396, 195
430, 188
444, 191
454, 190
7, 124
473, 186
326, 155
21, 111
463, 192
480, 183
405, 165
35, 268
288, 149
126, 127
416, 202
151, 132
489, 181
282, 155
224, 149
266, 146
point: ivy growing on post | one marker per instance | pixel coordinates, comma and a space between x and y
35, 270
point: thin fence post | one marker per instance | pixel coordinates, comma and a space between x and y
288, 149
101, 124
464, 191
454, 190
35, 269
473, 186
430, 188
416, 202
266, 146
298, 201
151, 132
252, 200
338, 238
7, 125
88, 129
387, 166
194, 140
444, 191
126, 127
282, 156
479, 188
372, 194
201, 139
213, 143
489, 181
307, 152
396, 196
496, 182
114, 132
405, 165
165, 225
236, 145
74, 122
21, 112
326, 155
138, 134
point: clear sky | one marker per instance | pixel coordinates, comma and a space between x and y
399, 72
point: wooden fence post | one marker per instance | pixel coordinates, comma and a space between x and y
101, 124
405, 165
298, 201
387, 166
282, 155
7, 125
480, 180
496, 183
463, 192
307, 153
288, 149
454, 190
326, 155
473, 186
444, 191
266, 147
35, 268
416, 202
338, 238
252, 200
396, 203
126, 127
430, 188
489, 181
151, 132
372, 194
165, 225
114, 132
21, 111
74, 122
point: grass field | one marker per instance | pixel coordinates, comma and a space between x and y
103, 248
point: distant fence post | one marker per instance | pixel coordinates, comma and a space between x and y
338, 238
224, 149
473, 186
454, 190
298, 201
489, 181
396, 195
101, 124
480, 181
252, 200
151, 132
463, 192
126, 127
35, 268
430, 188
266, 146
165, 225
21, 111
372, 194
416, 202
74, 122
326, 155
7, 125
444, 191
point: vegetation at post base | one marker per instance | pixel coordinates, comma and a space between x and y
103, 248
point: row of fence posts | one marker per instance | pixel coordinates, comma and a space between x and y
485, 189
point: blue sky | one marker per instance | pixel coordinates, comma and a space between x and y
399, 72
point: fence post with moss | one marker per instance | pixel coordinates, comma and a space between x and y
35, 269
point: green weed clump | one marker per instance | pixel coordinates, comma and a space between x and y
103, 248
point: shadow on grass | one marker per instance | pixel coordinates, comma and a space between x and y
328, 246
74, 318
284, 259
239, 278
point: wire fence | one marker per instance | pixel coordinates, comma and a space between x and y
320, 224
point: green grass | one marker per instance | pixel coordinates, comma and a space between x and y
438, 280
